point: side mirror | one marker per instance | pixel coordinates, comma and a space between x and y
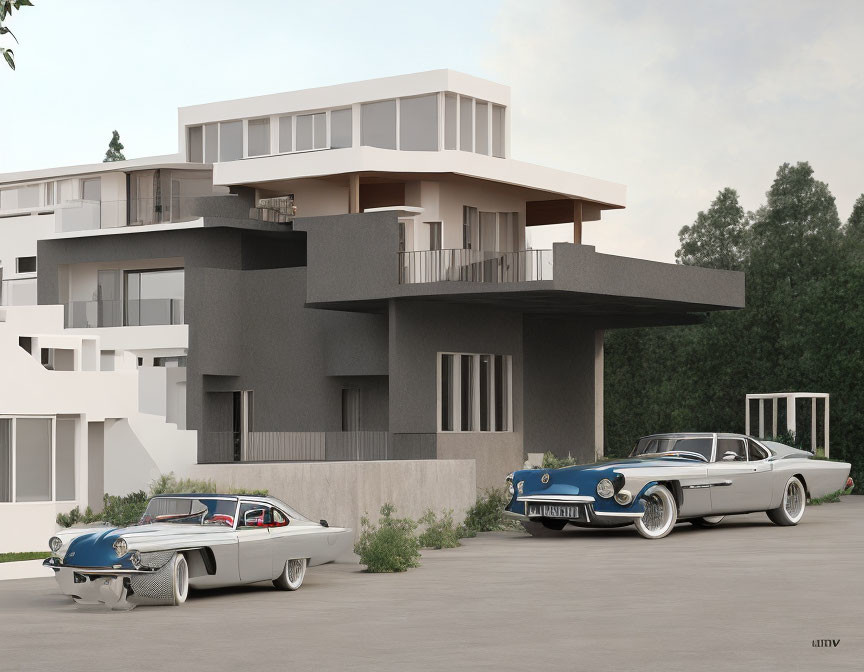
729, 456
324, 523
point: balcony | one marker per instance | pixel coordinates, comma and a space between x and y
18, 292
461, 265
116, 313
295, 446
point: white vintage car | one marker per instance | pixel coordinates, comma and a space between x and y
202, 541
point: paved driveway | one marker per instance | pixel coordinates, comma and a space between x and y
746, 595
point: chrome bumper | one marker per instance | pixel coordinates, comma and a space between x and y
585, 500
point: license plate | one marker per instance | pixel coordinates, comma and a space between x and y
569, 511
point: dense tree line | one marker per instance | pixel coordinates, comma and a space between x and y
802, 329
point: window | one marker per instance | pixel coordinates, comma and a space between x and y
211, 143
434, 235
230, 140
756, 451
340, 128
5, 459
195, 144
255, 514
481, 128
450, 121
475, 392
489, 231
466, 124
311, 131
25, 264
730, 450
351, 409
33, 459
258, 137
91, 190
285, 140
64, 459
154, 297
418, 123
28, 197
379, 124
498, 131
49, 193
470, 223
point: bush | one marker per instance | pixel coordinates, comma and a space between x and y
550, 461
442, 533
487, 513
392, 546
168, 484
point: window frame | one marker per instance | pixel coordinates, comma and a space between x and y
455, 394
18, 265
13, 462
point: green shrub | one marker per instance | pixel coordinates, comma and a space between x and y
487, 513
831, 497
550, 461
392, 546
26, 555
442, 533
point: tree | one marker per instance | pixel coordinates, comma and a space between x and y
115, 149
6, 7
854, 230
718, 236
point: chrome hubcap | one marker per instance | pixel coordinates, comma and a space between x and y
794, 499
295, 570
654, 513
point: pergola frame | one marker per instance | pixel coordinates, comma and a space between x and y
791, 423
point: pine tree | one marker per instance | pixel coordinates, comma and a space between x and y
115, 149
717, 239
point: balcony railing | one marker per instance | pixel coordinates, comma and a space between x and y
474, 266
116, 313
18, 292
295, 446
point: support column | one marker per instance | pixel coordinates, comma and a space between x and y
761, 418
598, 393
353, 193
813, 425
577, 222
774, 424
747, 416
790, 415
827, 414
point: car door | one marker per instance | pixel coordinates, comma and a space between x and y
737, 485
254, 547
287, 539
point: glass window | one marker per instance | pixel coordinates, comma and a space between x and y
466, 392
311, 131
481, 125
64, 460
466, 124
28, 197
91, 189
320, 131
285, 139
446, 393
340, 128
254, 514
211, 143
470, 224
730, 450
258, 140
230, 140
33, 459
485, 393
8, 199
279, 518
756, 451
26, 264
190, 511
418, 123
49, 193
154, 297
489, 231
502, 393
195, 145
498, 131
434, 235
5, 459
450, 121
379, 124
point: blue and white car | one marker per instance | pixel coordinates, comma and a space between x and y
669, 478
202, 541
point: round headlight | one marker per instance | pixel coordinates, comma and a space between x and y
55, 544
605, 488
623, 497
510, 485
120, 547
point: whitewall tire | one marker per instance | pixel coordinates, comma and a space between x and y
179, 579
292, 575
661, 513
791, 508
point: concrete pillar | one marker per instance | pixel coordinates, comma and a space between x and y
353, 193
577, 222
598, 393
761, 418
774, 423
790, 415
827, 414
813, 424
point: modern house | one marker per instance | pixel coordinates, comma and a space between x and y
338, 274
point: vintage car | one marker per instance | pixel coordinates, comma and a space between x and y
671, 478
202, 541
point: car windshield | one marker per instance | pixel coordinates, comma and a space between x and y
190, 511
665, 444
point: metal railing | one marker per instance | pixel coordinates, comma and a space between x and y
461, 265
117, 313
295, 446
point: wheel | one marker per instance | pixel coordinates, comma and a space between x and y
544, 528
292, 575
661, 513
707, 521
180, 579
791, 509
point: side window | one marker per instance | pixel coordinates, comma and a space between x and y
757, 452
731, 450
701, 445
279, 518
254, 514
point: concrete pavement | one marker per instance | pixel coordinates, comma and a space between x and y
746, 595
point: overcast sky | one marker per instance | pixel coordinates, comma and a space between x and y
675, 99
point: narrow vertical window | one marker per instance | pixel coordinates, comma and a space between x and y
258, 137
502, 393
340, 128
446, 393
230, 140
450, 121
195, 145
49, 193
5, 459
498, 131
211, 143
320, 131
285, 140
466, 124
434, 235
481, 128
485, 393
466, 392
470, 219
